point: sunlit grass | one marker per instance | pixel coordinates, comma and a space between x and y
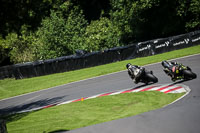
89, 112
12, 87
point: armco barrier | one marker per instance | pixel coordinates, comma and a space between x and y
83, 60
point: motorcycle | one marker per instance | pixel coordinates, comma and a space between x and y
145, 76
179, 71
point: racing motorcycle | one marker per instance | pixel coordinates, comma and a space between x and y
178, 71
145, 76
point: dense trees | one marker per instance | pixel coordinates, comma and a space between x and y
101, 34
62, 32
33, 29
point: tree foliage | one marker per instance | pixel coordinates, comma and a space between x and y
16, 13
42, 29
147, 19
101, 34
61, 35
189, 12
21, 47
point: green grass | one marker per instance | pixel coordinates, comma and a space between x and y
12, 87
89, 112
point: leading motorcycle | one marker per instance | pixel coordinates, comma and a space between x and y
178, 71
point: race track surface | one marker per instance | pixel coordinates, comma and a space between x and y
180, 117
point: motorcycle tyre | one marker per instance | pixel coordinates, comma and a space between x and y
151, 78
189, 74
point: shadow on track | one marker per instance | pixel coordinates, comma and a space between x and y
11, 114
181, 81
29, 106
143, 85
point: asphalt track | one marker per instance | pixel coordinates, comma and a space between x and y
180, 117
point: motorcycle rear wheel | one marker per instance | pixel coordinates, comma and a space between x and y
151, 78
189, 74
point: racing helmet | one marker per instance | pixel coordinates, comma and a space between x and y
128, 65
164, 63
176, 63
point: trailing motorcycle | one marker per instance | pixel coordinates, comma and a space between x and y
140, 74
178, 71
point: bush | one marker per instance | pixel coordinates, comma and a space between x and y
101, 34
61, 36
21, 47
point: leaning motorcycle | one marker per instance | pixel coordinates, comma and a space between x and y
145, 76
182, 72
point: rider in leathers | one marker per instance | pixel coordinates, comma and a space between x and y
168, 69
131, 69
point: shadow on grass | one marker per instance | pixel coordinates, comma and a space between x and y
14, 117
12, 113
59, 131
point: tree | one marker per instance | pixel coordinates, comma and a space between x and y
21, 47
101, 34
16, 13
148, 19
189, 12
61, 33
92, 9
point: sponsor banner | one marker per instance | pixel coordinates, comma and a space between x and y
161, 45
179, 42
195, 37
144, 49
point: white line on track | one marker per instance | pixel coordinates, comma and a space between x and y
188, 90
93, 78
184, 88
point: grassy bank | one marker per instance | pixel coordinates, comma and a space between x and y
89, 112
12, 87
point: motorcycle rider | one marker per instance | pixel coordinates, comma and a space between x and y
170, 69
132, 72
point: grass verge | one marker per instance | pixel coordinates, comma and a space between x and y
89, 112
12, 87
